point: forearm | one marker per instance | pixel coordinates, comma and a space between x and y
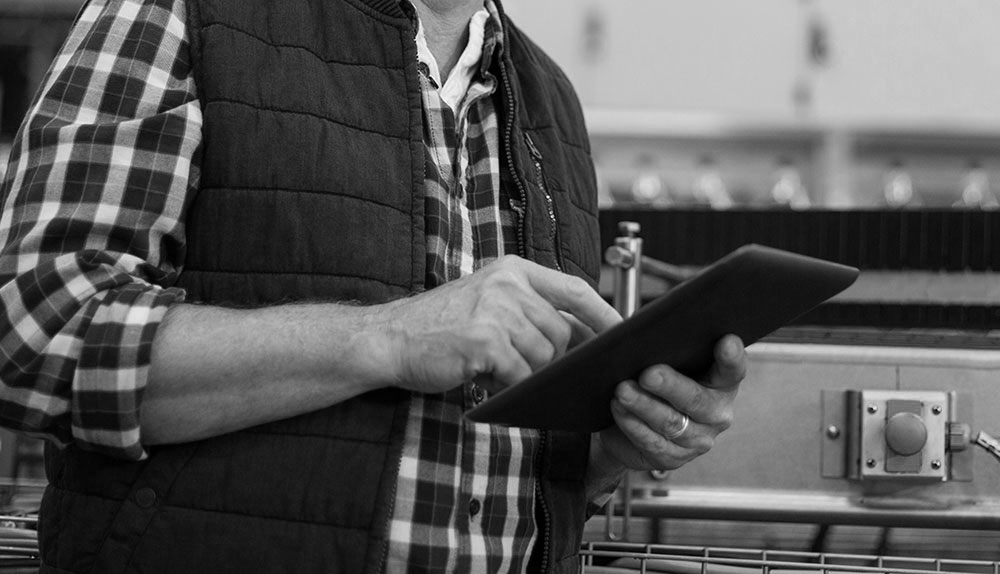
216, 370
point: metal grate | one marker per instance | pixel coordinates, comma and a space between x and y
624, 558
18, 545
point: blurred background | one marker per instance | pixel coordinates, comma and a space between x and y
825, 103
787, 103
31, 32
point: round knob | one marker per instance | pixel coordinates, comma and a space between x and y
905, 433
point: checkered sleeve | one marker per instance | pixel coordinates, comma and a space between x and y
91, 230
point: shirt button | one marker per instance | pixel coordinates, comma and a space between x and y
478, 394
474, 507
145, 497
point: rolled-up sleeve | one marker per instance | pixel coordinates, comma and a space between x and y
91, 231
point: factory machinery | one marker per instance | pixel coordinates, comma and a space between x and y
864, 436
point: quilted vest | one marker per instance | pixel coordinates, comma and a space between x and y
311, 189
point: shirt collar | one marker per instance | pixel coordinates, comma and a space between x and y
485, 42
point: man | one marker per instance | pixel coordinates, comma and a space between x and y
259, 257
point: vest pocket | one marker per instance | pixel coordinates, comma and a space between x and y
550, 204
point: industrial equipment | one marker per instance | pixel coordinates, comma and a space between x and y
866, 429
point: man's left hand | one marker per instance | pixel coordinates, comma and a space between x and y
665, 419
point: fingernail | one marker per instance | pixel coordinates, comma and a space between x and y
653, 380
731, 350
626, 393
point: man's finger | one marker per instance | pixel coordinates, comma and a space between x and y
698, 401
553, 324
507, 366
537, 349
580, 332
730, 364
574, 296
651, 450
658, 415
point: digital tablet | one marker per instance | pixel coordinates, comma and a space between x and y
750, 292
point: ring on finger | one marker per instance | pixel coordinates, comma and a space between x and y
685, 421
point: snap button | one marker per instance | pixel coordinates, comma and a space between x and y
474, 507
145, 497
478, 394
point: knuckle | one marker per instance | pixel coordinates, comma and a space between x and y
718, 414
473, 367
563, 335
669, 426
576, 287
479, 361
509, 260
484, 334
486, 342
702, 401
655, 446
725, 420
509, 267
702, 446
541, 354
503, 277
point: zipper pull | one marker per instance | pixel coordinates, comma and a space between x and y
531, 147
518, 206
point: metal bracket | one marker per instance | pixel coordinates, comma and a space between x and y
903, 435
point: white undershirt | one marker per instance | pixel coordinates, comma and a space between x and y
453, 89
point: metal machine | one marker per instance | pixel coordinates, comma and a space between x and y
853, 436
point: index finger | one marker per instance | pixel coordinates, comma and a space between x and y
574, 296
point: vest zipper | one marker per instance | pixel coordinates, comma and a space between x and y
399, 461
550, 205
518, 205
546, 526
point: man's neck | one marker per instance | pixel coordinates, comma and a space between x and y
446, 28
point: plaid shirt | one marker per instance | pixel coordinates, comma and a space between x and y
94, 200
92, 206
463, 485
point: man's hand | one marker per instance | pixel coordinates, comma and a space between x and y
496, 326
666, 419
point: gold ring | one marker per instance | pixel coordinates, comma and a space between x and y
684, 426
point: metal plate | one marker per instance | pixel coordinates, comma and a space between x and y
933, 409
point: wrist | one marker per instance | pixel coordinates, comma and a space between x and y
379, 343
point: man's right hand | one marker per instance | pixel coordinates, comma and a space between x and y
496, 326
216, 370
